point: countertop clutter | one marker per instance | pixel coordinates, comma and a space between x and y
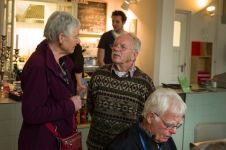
11, 91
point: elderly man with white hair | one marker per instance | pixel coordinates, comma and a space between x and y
117, 93
162, 115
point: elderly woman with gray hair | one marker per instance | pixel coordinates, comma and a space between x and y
48, 90
162, 116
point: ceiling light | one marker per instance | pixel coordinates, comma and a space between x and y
125, 5
210, 10
202, 3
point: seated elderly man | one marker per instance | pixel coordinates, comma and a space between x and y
162, 116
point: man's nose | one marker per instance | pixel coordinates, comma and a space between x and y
116, 47
173, 130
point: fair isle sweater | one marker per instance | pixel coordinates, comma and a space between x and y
115, 104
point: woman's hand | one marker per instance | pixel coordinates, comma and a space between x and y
77, 102
81, 89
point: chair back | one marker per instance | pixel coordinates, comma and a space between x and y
210, 131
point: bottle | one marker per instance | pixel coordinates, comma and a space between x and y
89, 118
214, 83
78, 116
83, 115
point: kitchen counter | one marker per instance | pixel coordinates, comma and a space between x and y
11, 121
203, 105
6, 100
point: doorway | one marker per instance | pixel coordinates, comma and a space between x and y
181, 46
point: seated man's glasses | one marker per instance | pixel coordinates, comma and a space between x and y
168, 125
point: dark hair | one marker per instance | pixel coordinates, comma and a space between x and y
119, 13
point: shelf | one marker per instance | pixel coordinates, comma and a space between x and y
90, 68
201, 61
90, 35
49, 1
204, 57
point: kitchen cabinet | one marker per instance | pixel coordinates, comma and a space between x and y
10, 124
27, 18
26, 21
30, 19
11, 121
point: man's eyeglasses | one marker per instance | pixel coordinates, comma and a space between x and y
122, 47
169, 125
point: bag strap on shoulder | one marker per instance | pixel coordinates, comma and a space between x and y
52, 129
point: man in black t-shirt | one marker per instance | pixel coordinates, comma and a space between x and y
108, 38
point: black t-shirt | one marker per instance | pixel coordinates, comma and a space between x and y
106, 42
78, 59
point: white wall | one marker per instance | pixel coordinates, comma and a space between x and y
164, 40
210, 29
1, 15
220, 56
146, 13
202, 28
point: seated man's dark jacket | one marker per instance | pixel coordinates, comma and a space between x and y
130, 140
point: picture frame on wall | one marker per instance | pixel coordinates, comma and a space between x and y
131, 26
93, 17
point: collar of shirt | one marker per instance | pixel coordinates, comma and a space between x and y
115, 34
130, 72
149, 134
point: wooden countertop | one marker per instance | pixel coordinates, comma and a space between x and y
6, 100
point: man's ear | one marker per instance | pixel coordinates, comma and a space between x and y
134, 56
150, 117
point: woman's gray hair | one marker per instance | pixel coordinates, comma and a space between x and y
60, 22
162, 100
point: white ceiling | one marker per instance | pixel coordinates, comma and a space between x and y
190, 5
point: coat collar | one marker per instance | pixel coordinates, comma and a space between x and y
49, 57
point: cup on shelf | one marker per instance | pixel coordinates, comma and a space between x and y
214, 84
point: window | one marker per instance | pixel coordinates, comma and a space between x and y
177, 34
